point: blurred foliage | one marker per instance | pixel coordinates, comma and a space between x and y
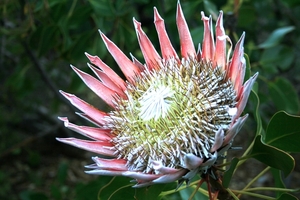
39, 39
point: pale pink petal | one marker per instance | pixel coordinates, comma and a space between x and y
219, 25
92, 166
234, 129
107, 70
107, 81
141, 176
166, 47
111, 164
237, 59
170, 177
240, 78
99, 147
151, 56
219, 137
105, 93
158, 166
91, 132
191, 174
191, 161
245, 94
89, 110
128, 68
137, 63
142, 184
220, 52
105, 172
208, 163
208, 46
186, 42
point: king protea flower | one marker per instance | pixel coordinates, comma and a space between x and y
173, 117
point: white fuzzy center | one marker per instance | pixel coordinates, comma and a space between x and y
155, 102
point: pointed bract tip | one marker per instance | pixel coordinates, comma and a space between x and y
203, 17
103, 36
73, 68
87, 54
157, 16
59, 139
61, 118
242, 38
136, 23
78, 71
65, 94
179, 9
90, 57
220, 19
65, 120
255, 75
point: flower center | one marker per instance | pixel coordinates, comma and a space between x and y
171, 112
155, 102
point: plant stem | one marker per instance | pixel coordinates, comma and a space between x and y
257, 177
254, 194
232, 194
196, 189
271, 189
184, 187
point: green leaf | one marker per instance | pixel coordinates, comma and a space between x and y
247, 15
48, 38
150, 193
277, 175
188, 191
276, 36
255, 100
248, 68
31, 195
96, 189
283, 132
118, 188
284, 95
103, 8
286, 196
210, 8
285, 58
279, 57
80, 44
55, 191
272, 156
62, 172
268, 60
291, 3
228, 173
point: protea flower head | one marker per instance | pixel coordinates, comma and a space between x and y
173, 117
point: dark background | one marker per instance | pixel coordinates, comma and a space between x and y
39, 39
